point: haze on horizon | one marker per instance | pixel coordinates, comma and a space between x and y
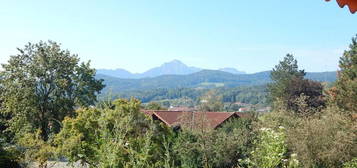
137, 36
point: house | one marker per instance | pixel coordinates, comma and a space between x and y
241, 104
263, 110
243, 109
206, 120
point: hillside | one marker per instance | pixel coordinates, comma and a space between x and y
201, 79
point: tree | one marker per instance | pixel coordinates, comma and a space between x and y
289, 85
311, 91
153, 106
211, 101
282, 74
346, 86
43, 85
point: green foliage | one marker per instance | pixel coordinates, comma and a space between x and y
79, 137
306, 136
351, 164
347, 82
245, 94
270, 149
185, 101
196, 80
309, 139
216, 148
311, 91
211, 101
9, 156
43, 85
282, 74
161, 94
289, 85
36, 149
154, 106
190, 96
113, 137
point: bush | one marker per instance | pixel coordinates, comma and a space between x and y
120, 136
325, 140
35, 149
214, 148
351, 164
270, 150
8, 157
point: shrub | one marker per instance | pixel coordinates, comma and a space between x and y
270, 149
120, 136
325, 140
36, 149
214, 148
8, 156
351, 164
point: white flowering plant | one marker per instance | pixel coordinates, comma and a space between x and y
270, 151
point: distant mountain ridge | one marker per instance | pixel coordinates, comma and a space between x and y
201, 79
174, 67
231, 70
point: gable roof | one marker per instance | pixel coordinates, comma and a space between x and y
210, 120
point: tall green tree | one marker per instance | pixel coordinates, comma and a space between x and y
290, 88
346, 85
282, 74
43, 84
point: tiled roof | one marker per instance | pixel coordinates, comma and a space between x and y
195, 119
242, 115
352, 4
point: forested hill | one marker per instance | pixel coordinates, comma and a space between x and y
202, 79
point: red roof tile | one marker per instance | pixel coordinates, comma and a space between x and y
242, 115
196, 119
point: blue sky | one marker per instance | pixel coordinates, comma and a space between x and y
140, 34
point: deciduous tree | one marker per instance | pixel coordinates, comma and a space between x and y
312, 92
43, 84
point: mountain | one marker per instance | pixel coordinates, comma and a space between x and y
231, 70
201, 79
174, 67
119, 73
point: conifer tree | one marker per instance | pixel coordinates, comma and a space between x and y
346, 87
282, 74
